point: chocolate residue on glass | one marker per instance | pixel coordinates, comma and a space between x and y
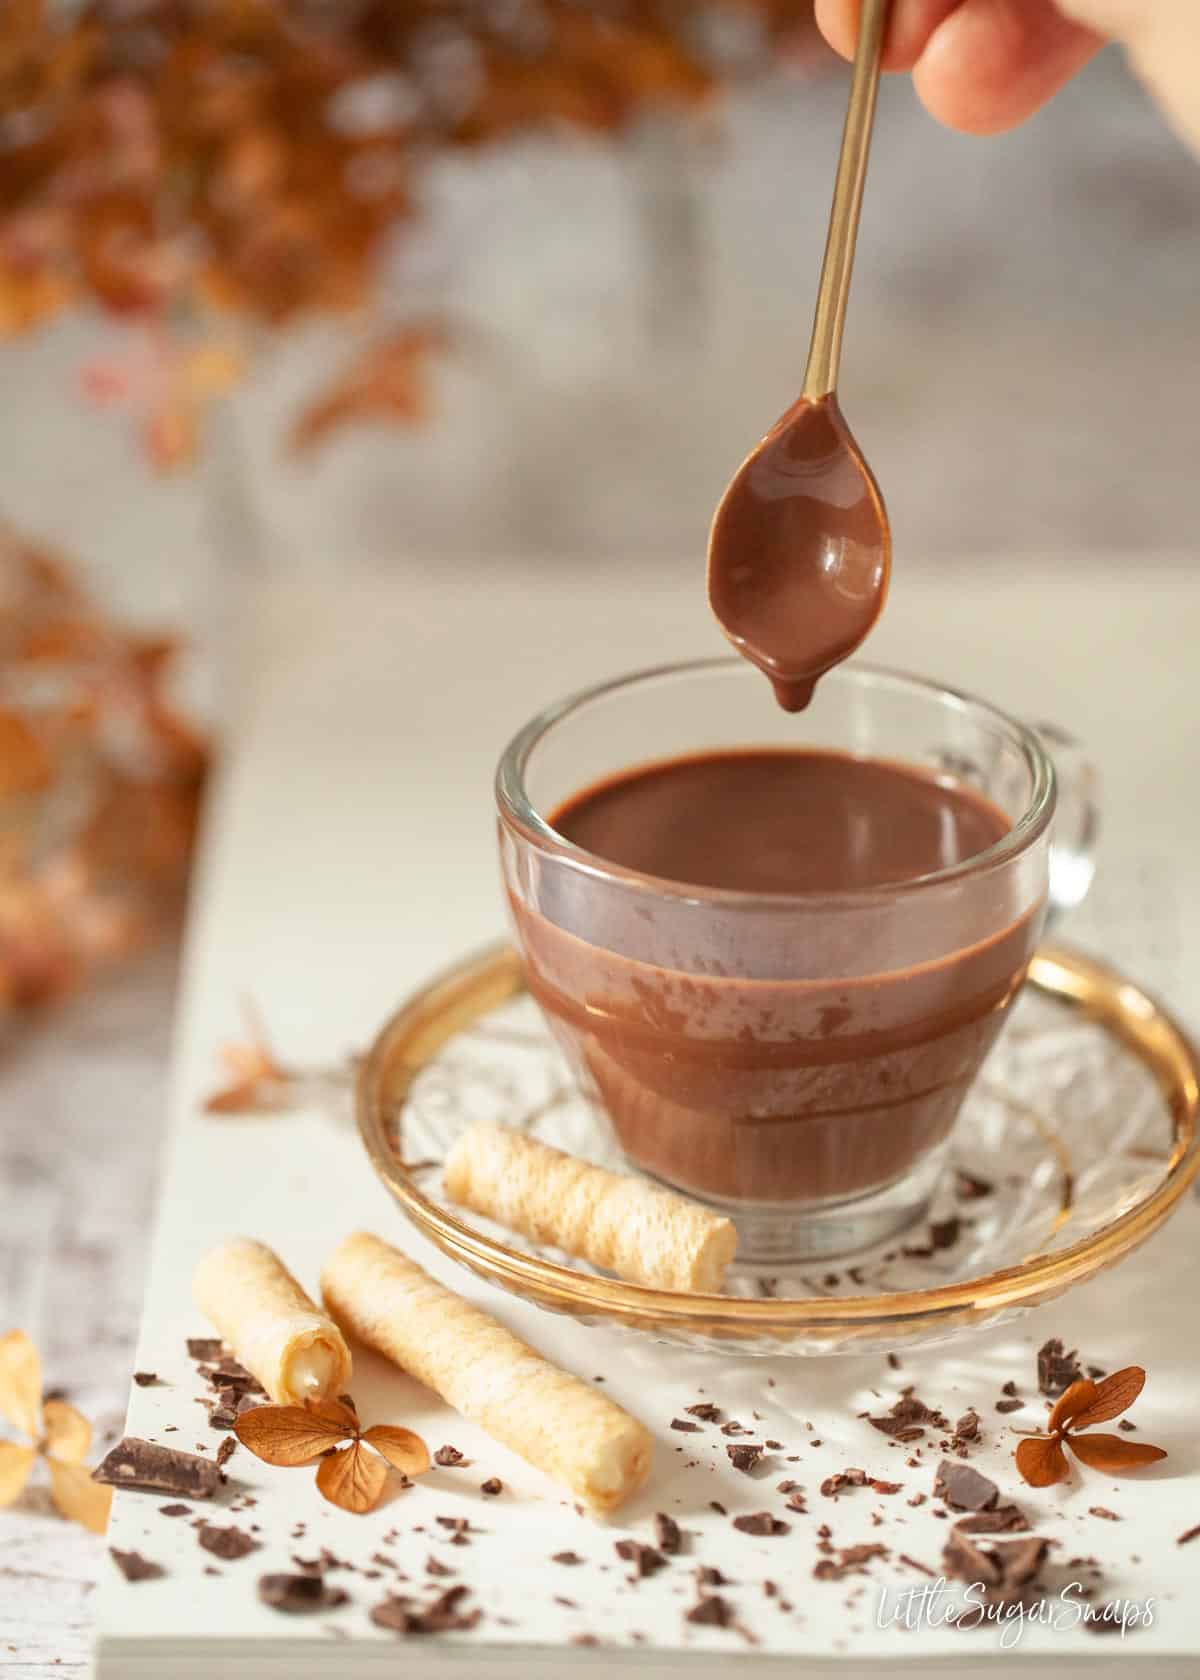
800, 551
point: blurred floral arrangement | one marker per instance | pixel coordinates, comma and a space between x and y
100, 780
210, 168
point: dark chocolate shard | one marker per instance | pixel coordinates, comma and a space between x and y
205, 1347
646, 1560
135, 1567
945, 1233
492, 1486
299, 1595
963, 1488
1000, 1519
402, 1614
569, 1558
1057, 1369
708, 1575
134, 1463
704, 1410
685, 1426
226, 1451
448, 1456
760, 1522
745, 1455
1009, 1405
227, 1543
711, 1611
147, 1379
668, 1536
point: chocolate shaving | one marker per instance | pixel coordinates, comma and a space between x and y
744, 1456
884, 1487
760, 1522
147, 1379
797, 1502
708, 1575
711, 1611
225, 1543
646, 1560
963, 1488
833, 1485
1188, 1535
705, 1410
914, 1563
175, 1510
433, 1566
668, 1536
569, 1558
226, 1451
448, 1456
401, 1614
299, 1595
685, 1425
492, 1486
1056, 1368
134, 1566
1009, 1405
205, 1348
849, 1561
1103, 1511
134, 1463
999, 1519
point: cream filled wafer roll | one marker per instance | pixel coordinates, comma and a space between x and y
294, 1349
620, 1223
551, 1419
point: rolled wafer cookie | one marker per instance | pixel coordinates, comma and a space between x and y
551, 1419
294, 1349
622, 1224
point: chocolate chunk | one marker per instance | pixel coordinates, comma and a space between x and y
945, 1233
227, 1543
1009, 1405
1103, 1511
734, 1428
447, 1456
797, 1501
1126, 1425
299, 1595
760, 1522
914, 1563
566, 1557
967, 1427
147, 1379
849, 1561
707, 1575
744, 1456
143, 1464
705, 1410
833, 1485
492, 1486
175, 1510
442, 1615
226, 1451
646, 1560
999, 1520
963, 1488
884, 1487
1003, 1570
134, 1566
685, 1425
1056, 1368
968, 1187
1009, 1388
667, 1534
434, 1567
205, 1347
711, 1611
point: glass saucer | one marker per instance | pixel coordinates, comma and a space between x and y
1075, 1143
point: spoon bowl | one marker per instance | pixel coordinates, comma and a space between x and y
800, 552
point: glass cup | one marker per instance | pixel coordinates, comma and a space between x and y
798, 1060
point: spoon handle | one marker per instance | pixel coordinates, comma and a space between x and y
825, 351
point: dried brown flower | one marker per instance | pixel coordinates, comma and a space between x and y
58, 1434
1041, 1459
351, 1476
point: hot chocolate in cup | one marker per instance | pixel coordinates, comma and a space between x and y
776, 948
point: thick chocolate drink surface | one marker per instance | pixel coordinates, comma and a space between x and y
780, 822
750, 1056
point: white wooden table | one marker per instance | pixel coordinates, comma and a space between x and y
82, 1101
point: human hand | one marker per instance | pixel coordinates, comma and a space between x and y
985, 65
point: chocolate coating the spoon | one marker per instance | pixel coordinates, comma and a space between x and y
800, 551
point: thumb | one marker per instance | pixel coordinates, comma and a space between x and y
1162, 38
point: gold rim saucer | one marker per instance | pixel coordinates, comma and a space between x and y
487, 979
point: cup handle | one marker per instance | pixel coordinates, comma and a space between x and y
1076, 821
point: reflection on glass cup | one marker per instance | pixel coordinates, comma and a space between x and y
796, 1060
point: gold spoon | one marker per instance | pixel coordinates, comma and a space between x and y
800, 549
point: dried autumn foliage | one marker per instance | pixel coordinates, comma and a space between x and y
58, 1435
1041, 1459
352, 1476
179, 159
100, 782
